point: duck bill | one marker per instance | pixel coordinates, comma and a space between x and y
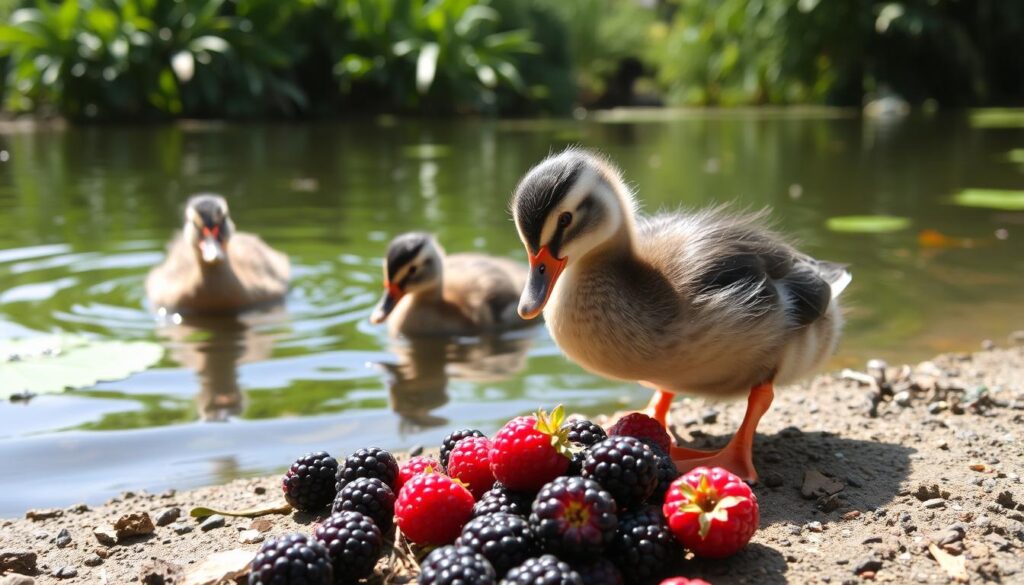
544, 272
211, 250
392, 294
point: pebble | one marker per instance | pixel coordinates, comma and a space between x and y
250, 536
65, 573
167, 516
168, 494
934, 503
709, 416
138, 524
937, 407
45, 514
79, 509
63, 538
182, 528
18, 561
874, 538
93, 561
416, 450
259, 490
814, 526
902, 398
105, 535
215, 521
17, 579
773, 479
866, 564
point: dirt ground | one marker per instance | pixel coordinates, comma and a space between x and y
864, 477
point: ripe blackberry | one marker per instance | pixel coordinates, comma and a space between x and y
371, 462
544, 570
599, 572
293, 558
504, 540
454, 565
625, 466
573, 516
501, 499
644, 547
667, 473
585, 432
354, 543
451, 440
369, 496
309, 483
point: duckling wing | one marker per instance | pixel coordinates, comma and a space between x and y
486, 289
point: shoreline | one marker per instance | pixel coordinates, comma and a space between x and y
864, 476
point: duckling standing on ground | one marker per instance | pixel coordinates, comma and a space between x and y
710, 303
211, 268
429, 293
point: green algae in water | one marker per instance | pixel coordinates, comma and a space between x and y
991, 199
867, 224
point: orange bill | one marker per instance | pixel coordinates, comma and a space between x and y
544, 271
392, 294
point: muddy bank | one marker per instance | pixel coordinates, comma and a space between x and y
871, 475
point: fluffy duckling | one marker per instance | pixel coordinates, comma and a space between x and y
211, 268
429, 293
710, 303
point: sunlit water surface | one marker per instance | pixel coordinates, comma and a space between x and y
85, 212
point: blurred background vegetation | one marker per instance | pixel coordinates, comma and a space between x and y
157, 59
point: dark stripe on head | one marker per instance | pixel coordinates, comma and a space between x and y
542, 189
211, 209
403, 250
587, 215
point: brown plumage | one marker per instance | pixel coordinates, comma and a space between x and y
210, 268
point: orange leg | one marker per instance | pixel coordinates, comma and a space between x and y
658, 407
737, 456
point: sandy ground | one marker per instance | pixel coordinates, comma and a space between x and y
863, 478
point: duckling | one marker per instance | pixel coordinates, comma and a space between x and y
710, 303
211, 268
428, 293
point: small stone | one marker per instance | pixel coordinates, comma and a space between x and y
78, 509
261, 524
159, 572
105, 535
795, 530
937, 407
416, 451
93, 561
131, 525
250, 536
17, 561
213, 522
988, 345
17, 579
45, 514
103, 553
814, 526
851, 515
167, 516
709, 416
168, 494
182, 528
902, 398
1005, 499
934, 503
65, 573
773, 479
817, 485
63, 538
873, 539
978, 467
259, 490
869, 563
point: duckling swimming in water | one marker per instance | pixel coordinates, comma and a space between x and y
211, 268
430, 293
711, 303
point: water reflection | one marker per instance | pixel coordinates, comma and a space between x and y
213, 346
418, 380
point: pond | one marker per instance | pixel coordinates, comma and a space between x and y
85, 212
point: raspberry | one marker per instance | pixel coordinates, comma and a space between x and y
711, 512
667, 473
530, 451
309, 483
684, 581
504, 540
369, 496
453, 439
573, 516
501, 499
293, 558
468, 462
644, 548
544, 570
599, 572
371, 462
626, 467
452, 565
432, 509
643, 427
413, 467
354, 543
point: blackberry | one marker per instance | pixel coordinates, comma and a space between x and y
644, 547
575, 468
667, 473
309, 483
371, 462
451, 440
454, 565
503, 539
369, 496
625, 466
599, 572
353, 542
501, 499
293, 559
585, 432
573, 516
544, 570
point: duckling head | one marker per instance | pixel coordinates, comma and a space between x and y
413, 264
208, 227
565, 208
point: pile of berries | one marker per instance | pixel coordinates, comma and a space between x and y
543, 500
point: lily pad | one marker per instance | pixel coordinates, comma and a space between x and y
49, 364
867, 224
991, 199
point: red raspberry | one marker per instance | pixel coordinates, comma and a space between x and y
684, 581
470, 463
432, 508
414, 467
643, 427
530, 451
711, 512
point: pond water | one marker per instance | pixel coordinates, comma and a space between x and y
85, 212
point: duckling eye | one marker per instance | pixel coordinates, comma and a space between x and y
412, 270
564, 219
